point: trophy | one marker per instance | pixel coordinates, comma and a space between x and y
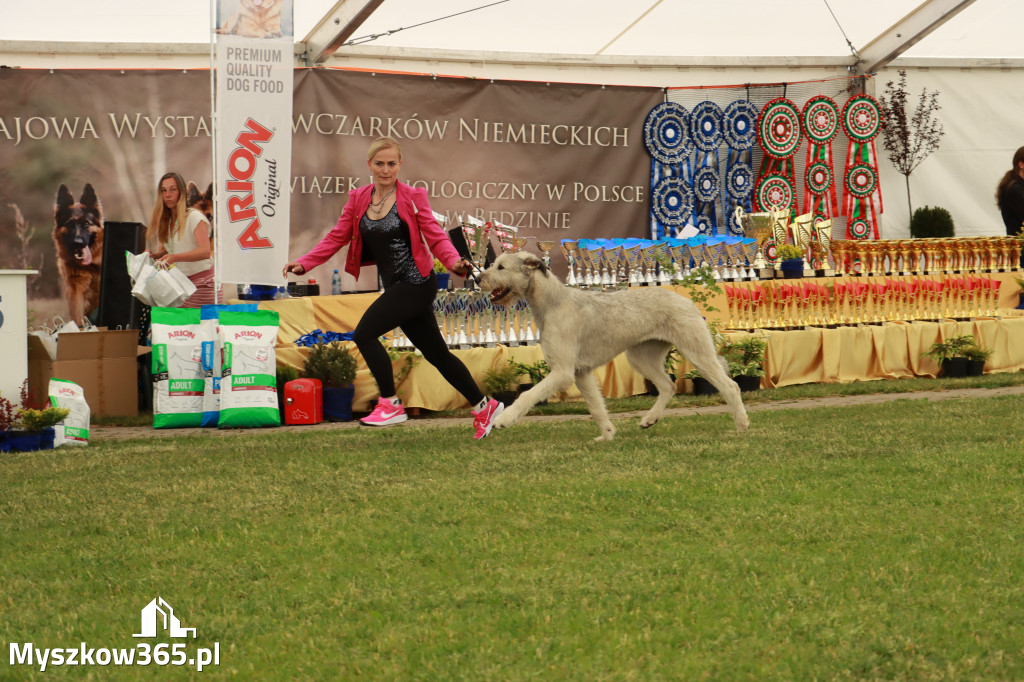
477, 234
570, 248
734, 259
519, 242
664, 261
632, 256
823, 246
506, 236
595, 256
648, 258
462, 315
714, 253
583, 256
611, 256
545, 252
751, 254
758, 226
803, 236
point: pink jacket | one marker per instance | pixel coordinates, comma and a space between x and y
426, 235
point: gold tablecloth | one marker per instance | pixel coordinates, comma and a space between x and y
841, 355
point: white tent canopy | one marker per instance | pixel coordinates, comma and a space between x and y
969, 50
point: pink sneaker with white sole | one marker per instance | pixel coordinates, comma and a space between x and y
484, 419
385, 414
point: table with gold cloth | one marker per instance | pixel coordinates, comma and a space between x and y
815, 354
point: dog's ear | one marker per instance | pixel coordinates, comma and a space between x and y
64, 203
209, 193
192, 195
89, 200
532, 262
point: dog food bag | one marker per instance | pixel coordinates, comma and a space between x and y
208, 328
74, 430
177, 368
248, 387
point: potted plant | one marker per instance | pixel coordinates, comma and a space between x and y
442, 274
501, 383
951, 355
967, 347
791, 259
42, 422
746, 361
335, 367
745, 358
1020, 294
537, 371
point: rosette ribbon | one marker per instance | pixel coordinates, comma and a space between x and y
667, 139
778, 132
862, 119
819, 122
739, 130
706, 133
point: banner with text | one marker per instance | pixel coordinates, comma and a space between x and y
558, 161
254, 108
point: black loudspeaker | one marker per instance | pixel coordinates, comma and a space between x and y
118, 308
459, 242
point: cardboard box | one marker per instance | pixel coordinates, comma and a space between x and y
103, 363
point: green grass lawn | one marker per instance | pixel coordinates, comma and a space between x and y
867, 542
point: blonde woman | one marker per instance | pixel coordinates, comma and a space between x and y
390, 224
180, 236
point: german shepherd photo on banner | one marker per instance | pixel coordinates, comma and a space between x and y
78, 236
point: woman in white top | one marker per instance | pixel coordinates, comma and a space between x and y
180, 236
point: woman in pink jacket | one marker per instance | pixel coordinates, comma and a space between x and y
390, 224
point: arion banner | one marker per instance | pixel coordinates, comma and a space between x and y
253, 140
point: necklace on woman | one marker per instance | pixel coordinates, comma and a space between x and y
378, 207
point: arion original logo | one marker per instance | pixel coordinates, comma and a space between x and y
159, 612
241, 166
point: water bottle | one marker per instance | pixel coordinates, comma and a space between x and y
335, 283
281, 293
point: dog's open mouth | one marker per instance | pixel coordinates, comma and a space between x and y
499, 294
85, 255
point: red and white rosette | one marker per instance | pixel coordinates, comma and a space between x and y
819, 121
778, 133
862, 120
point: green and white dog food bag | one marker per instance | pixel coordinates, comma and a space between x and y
248, 386
74, 430
178, 378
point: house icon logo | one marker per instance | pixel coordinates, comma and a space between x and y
158, 610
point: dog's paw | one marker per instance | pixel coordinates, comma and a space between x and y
503, 420
607, 434
648, 421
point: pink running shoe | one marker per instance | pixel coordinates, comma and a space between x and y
385, 414
484, 419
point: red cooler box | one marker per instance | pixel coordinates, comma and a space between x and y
303, 402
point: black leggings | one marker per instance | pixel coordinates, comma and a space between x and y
409, 306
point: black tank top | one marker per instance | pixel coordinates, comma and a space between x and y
389, 243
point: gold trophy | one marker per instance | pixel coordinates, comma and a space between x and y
802, 230
823, 247
758, 226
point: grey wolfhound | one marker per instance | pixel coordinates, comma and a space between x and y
584, 330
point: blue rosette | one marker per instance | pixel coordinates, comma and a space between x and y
739, 125
706, 126
667, 133
672, 201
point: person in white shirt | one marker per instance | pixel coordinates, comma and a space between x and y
181, 236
